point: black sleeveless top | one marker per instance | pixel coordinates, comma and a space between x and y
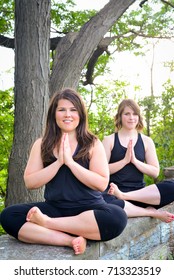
65, 190
129, 177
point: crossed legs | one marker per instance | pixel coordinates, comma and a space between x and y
149, 195
65, 231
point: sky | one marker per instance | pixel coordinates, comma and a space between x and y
135, 70
6, 68
91, 4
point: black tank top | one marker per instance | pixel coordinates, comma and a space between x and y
65, 190
129, 177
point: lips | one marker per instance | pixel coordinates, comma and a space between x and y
67, 121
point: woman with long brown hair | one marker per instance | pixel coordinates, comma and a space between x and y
71, 163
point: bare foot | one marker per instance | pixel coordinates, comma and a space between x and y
164, 216
35, 216
114, 190
79, 245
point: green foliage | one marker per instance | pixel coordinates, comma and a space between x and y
6, 138
7, 17
102, 102
163, 131
1, 208
150, 109
66, 19
6, 135
153, 20
159, 119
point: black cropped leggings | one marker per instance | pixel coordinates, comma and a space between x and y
166, 190
111, 219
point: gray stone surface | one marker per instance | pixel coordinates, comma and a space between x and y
12, 249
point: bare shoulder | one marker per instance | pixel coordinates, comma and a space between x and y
37, 143
108, 141
148, 142
96, 148
97, 143
109, 138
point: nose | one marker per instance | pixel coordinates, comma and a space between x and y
67, 113
131, 116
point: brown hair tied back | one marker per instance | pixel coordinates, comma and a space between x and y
135, 107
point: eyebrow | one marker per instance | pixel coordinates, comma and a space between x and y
61, 107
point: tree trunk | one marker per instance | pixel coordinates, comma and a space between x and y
32, 30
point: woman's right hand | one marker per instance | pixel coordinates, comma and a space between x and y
68, 159
128, 154
61, 151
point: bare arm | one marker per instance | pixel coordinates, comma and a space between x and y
35, 175
97, 177
151, 166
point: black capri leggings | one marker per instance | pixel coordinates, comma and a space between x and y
111, 219
166, 190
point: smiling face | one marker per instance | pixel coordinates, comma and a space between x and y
129, 118
128, 109
67, 116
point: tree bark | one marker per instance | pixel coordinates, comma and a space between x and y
32, 31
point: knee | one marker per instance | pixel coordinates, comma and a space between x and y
114, 223
11, 220
120, 221
5, 217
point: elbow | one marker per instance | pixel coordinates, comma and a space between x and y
27, 181
156, 173
104, 184
28, 187
28, 184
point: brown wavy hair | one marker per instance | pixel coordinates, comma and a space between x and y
52, 134
135, 107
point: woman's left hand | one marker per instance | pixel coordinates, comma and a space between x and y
133, 157
67, 150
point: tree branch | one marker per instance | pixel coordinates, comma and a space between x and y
101, 48
148, 36
9, 42
6, 42
142, 3
168, 3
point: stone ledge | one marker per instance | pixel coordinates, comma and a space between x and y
142, 239
169, 172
